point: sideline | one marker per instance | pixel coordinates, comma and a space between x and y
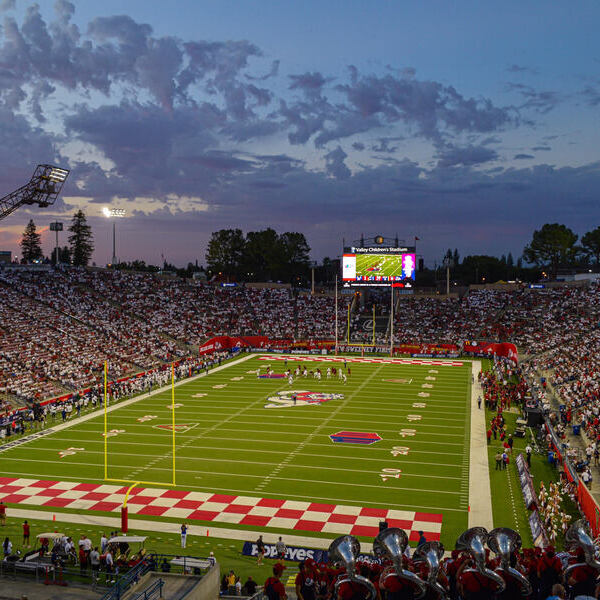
100, 411
480, 494
243, 535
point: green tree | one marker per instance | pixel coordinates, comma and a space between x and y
225, 252
264, 257
591, 244
64, 255
81, 240
295, 254
31, 243
553, 245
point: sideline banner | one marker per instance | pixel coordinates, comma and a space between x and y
504, 349
298, 553
293, 552
526, 483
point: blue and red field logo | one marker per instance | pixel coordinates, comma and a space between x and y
300, 398
354, 437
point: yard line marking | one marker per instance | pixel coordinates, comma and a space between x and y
245, 449
340, 406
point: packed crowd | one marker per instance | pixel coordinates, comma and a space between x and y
65, 323
36, 415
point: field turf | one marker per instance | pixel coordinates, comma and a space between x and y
231, 444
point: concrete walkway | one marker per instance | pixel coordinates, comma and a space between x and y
480, 493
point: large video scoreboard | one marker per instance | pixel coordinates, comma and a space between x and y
377, 266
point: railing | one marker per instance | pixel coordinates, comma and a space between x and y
125, 582
43, 571
154, 591
188, 565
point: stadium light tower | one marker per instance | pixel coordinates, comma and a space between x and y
113, 213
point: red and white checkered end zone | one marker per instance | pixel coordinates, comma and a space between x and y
219, 508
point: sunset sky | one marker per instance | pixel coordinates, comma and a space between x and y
468, 124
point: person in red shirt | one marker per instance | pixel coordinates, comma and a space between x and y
26, 535
273, 588
473, 585
305, 582
2, 513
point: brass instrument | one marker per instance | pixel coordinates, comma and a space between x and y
473, 541
578, 536
432, 553
503, 542
391, 543
344, 551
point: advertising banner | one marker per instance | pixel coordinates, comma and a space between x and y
527, 488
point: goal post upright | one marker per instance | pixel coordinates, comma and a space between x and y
132, 483
173, 416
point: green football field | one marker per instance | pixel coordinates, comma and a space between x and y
243, 449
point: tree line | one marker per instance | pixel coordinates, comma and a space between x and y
77, 253
269, 256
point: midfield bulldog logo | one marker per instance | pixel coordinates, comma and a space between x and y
300, 398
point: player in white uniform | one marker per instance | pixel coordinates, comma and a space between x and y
340, 373
290, 380
328, 372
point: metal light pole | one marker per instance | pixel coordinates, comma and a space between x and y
56, 226
113, 213
448, 263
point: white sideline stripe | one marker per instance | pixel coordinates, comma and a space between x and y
313, 498
100, 411
480, 494
216, 532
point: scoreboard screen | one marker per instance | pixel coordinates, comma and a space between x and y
379, 267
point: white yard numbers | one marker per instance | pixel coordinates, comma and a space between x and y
219, 386
146, 418
388, 473
199, 395
407, 432
400, 451
70, 452
113, 432
176, 405
423, 395
236, 379
414, 417
419, 405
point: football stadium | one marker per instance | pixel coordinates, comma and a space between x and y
295, 306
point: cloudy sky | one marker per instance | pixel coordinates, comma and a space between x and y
468, 124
